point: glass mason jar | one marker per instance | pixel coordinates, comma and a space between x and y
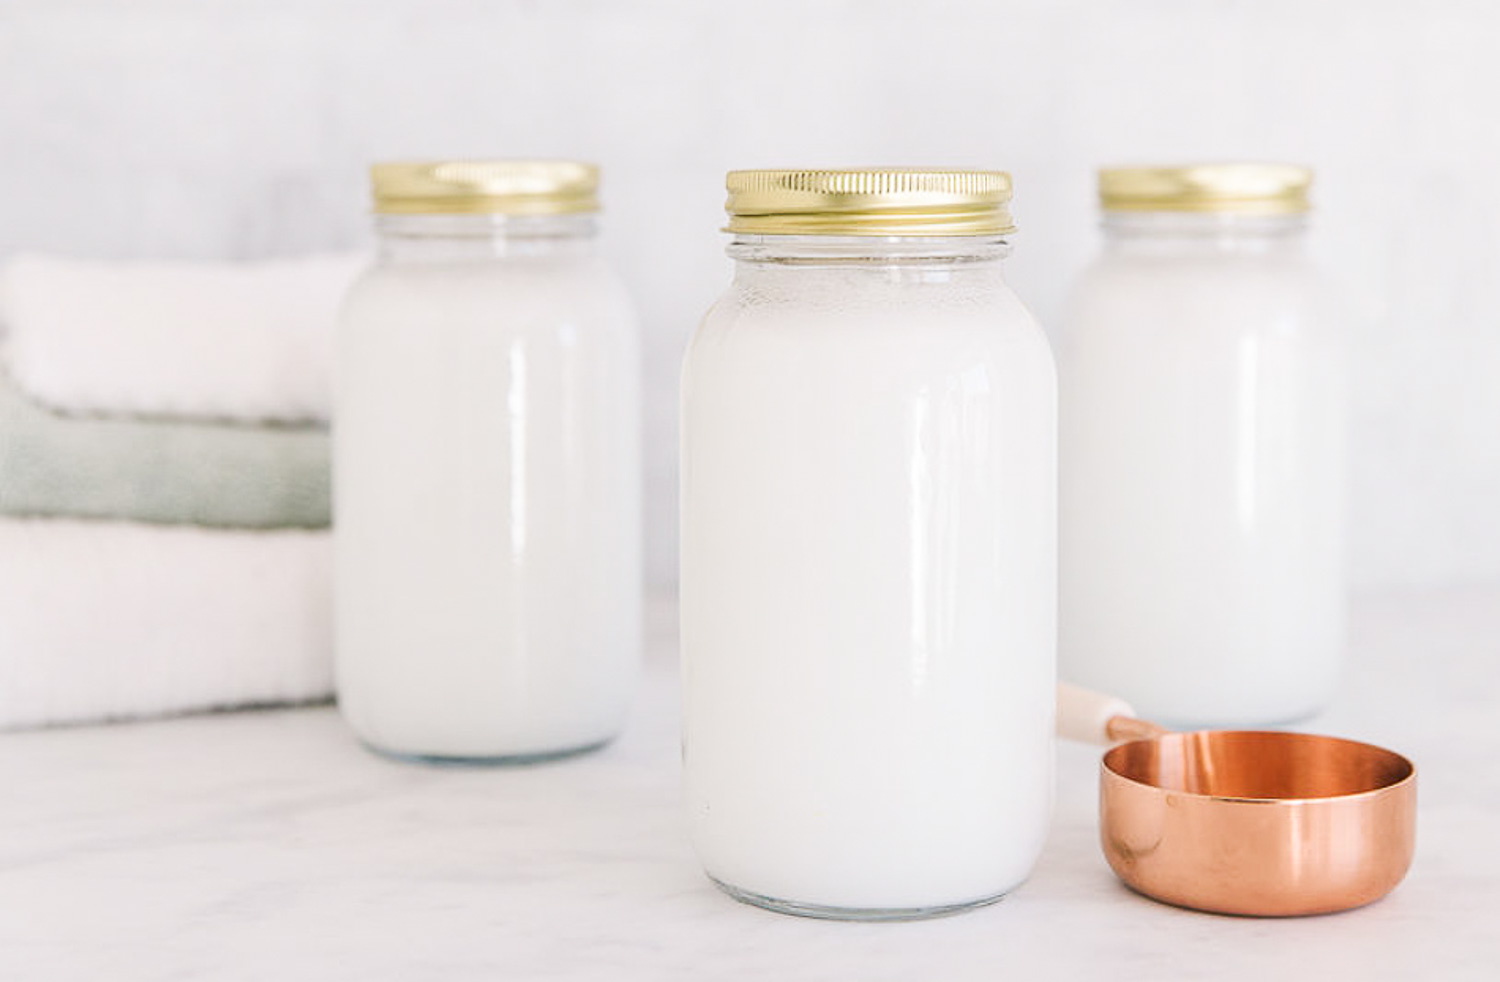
868, 555
487, 471
1202, 453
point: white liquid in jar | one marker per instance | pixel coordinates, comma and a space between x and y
868, 589
1202, 493
487, 507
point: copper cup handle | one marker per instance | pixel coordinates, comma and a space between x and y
1092, 717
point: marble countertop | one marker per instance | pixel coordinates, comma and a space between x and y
268, 845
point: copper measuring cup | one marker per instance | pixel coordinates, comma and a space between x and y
1262, 823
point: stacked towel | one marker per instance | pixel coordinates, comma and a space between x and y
228, 475
164, 486
248, 341
111, 620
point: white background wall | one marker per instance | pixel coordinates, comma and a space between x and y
240, 128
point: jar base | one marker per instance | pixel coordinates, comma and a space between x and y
826, 913
503, 760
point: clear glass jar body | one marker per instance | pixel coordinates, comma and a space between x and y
487, 491
868, 577
1202, 394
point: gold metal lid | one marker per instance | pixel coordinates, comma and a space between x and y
869, 201
507, 187
1251, 189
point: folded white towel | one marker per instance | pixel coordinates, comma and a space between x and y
249, 341
107, 620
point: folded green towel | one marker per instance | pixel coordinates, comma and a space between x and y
224, 475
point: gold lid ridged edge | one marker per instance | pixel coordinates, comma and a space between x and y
508, 187
876, 201
1239, 188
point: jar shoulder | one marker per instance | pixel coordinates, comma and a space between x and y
1230, 270
868, 303
579, 291
1232, 295
920, 333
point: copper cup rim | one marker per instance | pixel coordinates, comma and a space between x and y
1401, 764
